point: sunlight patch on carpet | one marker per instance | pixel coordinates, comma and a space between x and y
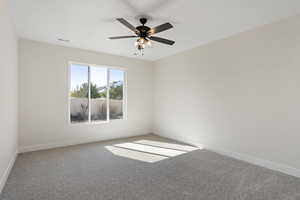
149, 150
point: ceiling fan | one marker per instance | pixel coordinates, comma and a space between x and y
145, 33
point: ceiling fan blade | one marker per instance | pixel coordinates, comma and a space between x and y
128, 25
160, 28
123, 37
162, 40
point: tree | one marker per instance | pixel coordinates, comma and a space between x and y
82, 91
116, 90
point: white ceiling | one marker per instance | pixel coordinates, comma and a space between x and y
88, 23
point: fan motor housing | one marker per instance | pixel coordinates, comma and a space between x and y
143, 30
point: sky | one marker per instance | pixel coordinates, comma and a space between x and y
79, 75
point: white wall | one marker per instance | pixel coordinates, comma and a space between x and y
8, 92
43, 75
240, 94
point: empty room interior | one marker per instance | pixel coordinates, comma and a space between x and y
150, 100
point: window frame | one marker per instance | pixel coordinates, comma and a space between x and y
108, 68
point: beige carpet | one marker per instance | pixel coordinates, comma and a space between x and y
142, 168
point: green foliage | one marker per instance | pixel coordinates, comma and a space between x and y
82, 91
116, 91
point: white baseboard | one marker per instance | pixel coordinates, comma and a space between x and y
245, 157
258, 161
180, 139
26, 149
240, 156
6, 173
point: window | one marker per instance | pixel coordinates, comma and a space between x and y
96, 93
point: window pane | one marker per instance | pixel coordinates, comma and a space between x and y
116, 84
98, 93
79, 104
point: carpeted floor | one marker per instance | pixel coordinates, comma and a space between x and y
142, 168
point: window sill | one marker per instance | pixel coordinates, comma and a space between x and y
95, 123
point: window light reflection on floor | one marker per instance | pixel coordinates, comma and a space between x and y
149, 150
135, 155
179, 147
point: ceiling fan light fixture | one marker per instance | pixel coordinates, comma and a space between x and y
144, 33
149, 43
142, 42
